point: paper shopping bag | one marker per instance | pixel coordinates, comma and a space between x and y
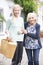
8, 48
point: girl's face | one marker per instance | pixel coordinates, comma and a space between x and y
16, 11
31, 20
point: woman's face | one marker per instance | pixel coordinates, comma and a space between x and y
16, 11
31, 20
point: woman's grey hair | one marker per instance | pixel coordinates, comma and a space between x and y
31, 14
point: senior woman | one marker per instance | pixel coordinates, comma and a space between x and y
32, 39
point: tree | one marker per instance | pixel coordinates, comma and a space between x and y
28, 5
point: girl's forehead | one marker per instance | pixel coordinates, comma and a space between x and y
17, 8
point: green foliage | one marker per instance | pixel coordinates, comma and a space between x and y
29, 6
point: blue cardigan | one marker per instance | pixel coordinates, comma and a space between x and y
35, 36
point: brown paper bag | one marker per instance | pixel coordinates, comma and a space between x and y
8, 49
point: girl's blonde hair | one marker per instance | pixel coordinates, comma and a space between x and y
31, 14
17, 6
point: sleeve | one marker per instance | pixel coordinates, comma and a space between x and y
36, 35
22, 23
8, 23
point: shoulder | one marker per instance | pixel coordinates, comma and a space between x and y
21, 18
8, 21
37, 25
26, 24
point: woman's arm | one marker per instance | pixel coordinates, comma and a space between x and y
36, 35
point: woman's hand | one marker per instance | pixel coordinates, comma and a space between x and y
20, 32
9, 39
24, 31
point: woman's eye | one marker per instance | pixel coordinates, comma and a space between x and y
29, 18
